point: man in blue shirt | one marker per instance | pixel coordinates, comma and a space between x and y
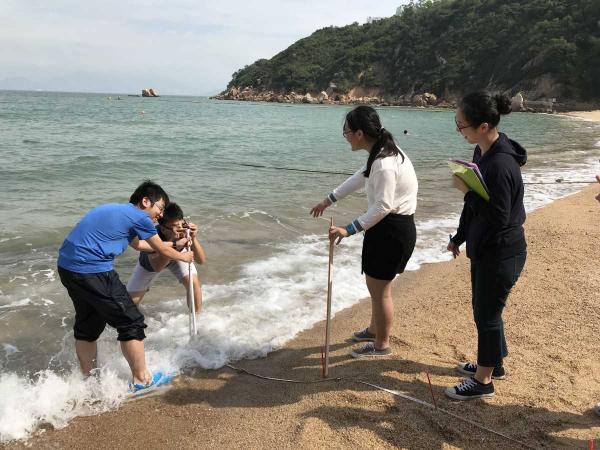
85, 266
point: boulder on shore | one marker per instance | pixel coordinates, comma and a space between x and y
418, 100
517, 102
308, 98
430, 99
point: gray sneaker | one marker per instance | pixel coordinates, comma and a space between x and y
363, 336
369, 351
597, 409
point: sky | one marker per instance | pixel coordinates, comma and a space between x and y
182, 47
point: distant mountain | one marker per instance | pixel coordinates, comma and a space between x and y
543, 48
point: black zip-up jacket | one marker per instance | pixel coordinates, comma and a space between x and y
495, 228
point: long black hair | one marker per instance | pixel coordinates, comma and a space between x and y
484, 107
367, 120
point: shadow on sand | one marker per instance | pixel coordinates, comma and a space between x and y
395, 420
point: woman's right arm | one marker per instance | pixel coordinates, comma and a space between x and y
352, 184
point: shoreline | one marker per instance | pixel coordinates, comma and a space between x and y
592, 116
551, 386
371, 97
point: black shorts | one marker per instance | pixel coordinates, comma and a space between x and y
388, 246
100, 299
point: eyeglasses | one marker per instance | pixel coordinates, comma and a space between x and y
459, 128
159, 206
345, 133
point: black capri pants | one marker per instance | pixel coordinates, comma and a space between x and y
100, 299
491, 280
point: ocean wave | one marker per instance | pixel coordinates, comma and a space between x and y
17, 303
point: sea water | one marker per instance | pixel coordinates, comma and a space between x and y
266, 272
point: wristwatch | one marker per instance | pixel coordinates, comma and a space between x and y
175, 244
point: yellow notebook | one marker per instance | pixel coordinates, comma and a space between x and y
471, 178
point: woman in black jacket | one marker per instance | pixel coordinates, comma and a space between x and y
493, 231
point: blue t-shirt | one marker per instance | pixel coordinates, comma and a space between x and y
101, 235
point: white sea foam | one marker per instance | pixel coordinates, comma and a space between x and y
54, 399
548, 189
597, 144
271, 302
9, 239
17, 303
17, 277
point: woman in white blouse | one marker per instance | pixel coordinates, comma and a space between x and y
391, 185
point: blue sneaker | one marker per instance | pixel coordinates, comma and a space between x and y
158, 379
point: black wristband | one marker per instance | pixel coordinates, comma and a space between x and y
174, 244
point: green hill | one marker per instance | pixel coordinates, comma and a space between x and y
544, 48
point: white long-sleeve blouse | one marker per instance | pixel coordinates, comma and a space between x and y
391, 188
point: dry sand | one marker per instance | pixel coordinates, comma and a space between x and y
588, 115
552, 324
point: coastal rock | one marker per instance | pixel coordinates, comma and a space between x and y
149, 92
331, 89
517, 102
246, 94
356, 96
430, 99
231, 94
418, 100
308, 98
445, 104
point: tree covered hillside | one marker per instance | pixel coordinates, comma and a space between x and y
546, 48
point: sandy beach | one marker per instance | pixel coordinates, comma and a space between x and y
553, 368
588, 115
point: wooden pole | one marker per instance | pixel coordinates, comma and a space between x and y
191, 300
329, 289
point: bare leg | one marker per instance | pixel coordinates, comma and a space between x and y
134, 354
87, 353
197, 292
372, 325
382, 312
137, 296
484, 374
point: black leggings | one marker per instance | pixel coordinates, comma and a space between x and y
491, 281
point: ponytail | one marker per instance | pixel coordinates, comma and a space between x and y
367, 120
384, 146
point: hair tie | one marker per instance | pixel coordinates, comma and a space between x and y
381, 130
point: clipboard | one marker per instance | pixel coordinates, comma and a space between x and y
469, 173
